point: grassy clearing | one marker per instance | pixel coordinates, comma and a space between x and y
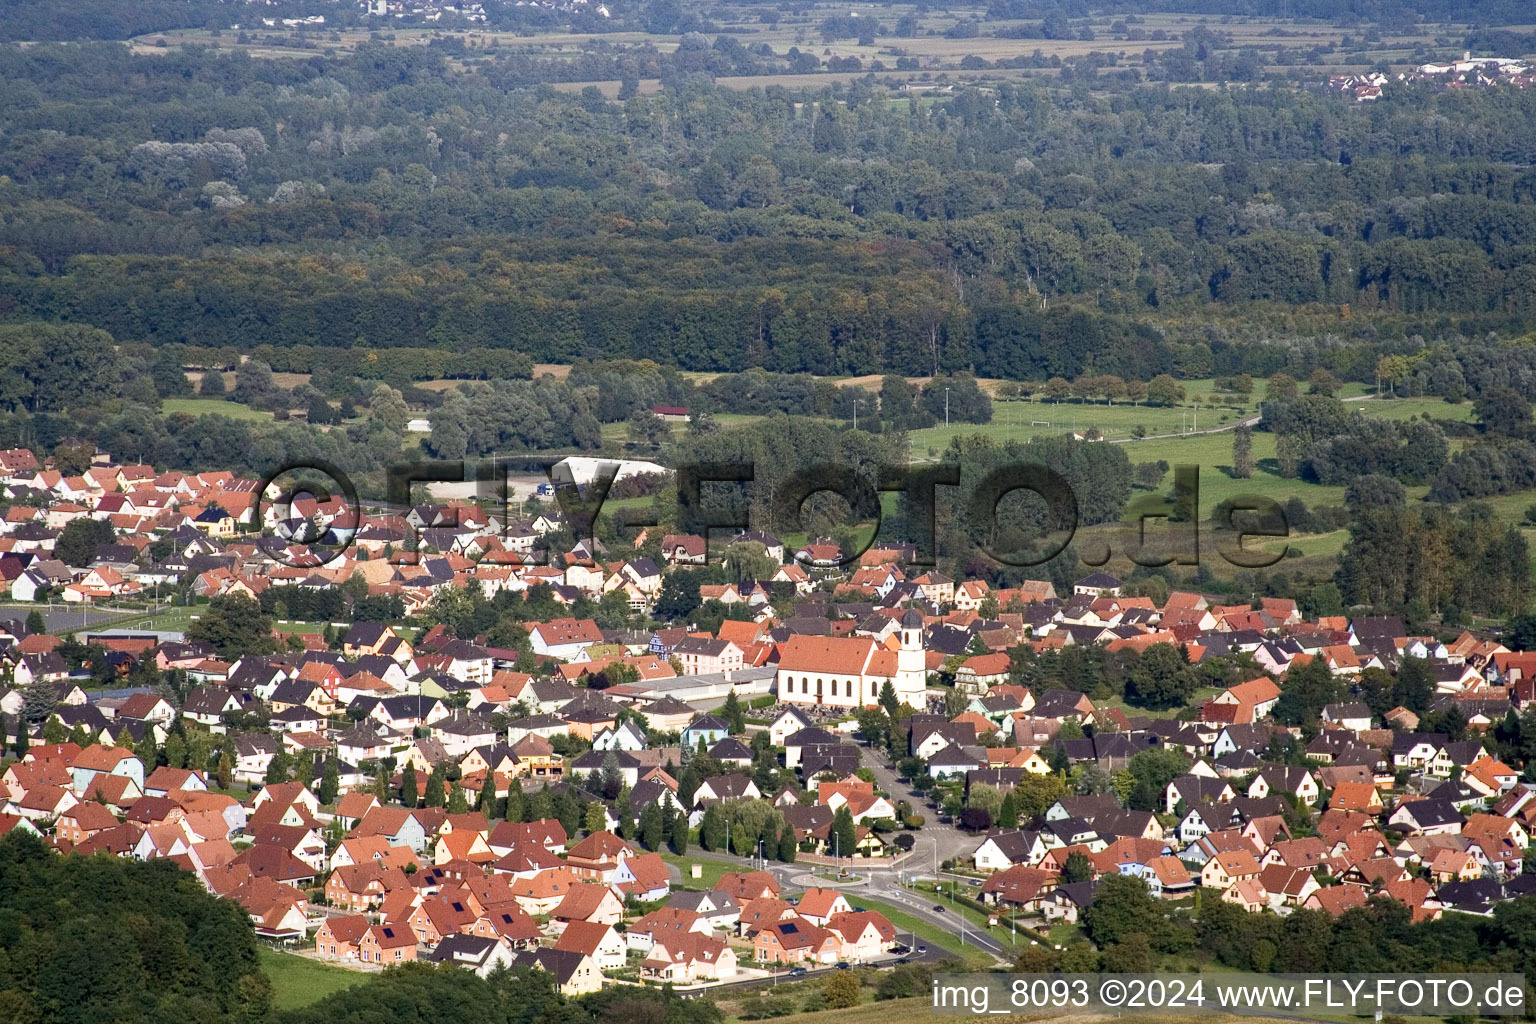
1021, 420
1065, 934
298, 981
286, 626
709, 870
1204, 693
1409, 408
212, 406
1324, 545
1212, 453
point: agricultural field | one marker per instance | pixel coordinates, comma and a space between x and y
944, 54
1021, 420
1171, 438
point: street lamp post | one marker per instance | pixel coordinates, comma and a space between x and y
946, 407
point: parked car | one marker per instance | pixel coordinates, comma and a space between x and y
843, 965
901, 948
798, 972
922, 949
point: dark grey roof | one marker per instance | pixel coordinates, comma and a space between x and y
807, 736
730, 749
1430, 813
463, 949
563, 964
838, 758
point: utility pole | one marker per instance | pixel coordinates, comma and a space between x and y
946, 407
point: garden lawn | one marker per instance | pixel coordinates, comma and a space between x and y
710, 870
298, 981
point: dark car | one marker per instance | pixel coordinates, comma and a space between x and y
938, 908
901, 948
903, 960
843, 965
797, 972
858, 910
922, 949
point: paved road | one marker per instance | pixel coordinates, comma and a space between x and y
1250, 421
884, 884
936, 842
935, 954
884, 887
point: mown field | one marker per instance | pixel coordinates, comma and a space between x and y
1210, 452
298, 981
212, 406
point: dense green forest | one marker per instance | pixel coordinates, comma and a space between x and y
392, 198
339, 235
91, 939
101, 938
